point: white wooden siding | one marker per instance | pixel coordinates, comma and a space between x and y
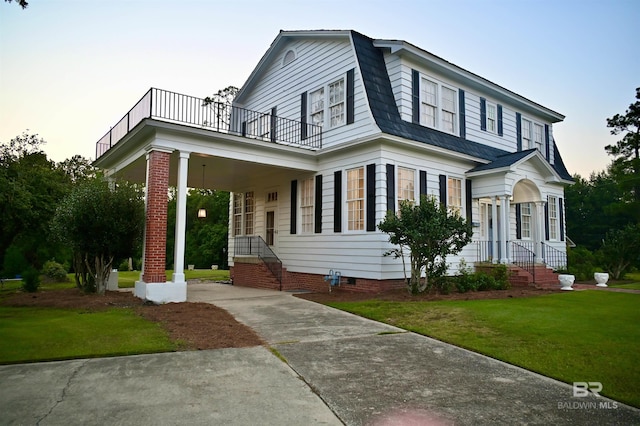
318, 62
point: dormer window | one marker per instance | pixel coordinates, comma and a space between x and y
438, 106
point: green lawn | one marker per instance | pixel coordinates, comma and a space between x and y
41, 334
572, 336
127, 279
635, 285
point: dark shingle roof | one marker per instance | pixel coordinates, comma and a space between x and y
385, 111
504, 160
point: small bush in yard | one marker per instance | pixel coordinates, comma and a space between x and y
31, 280
55, 271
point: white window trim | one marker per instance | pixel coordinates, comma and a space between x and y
532, 134
307, 228
553, 218
529, 220
439, 110
460, 209
326, 107
399, 198
495, 118
363, 200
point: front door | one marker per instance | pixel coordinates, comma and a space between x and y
270, 228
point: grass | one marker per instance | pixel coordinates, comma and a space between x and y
44, 334
578, 336
635, 285
127, 279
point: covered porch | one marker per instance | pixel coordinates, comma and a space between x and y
517, 223
168, 139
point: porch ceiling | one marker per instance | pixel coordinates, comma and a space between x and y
231, 163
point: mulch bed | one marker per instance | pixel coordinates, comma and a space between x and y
196, 326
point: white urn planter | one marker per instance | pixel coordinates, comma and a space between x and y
601, 279
566, 281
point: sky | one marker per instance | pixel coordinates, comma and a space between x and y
70, 69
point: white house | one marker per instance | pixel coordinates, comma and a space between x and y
330, 131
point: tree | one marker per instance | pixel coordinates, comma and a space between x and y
626, 152
220, 105
21, 3
31, 186
429, 232
621, 250
101, 225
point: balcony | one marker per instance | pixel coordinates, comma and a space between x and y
218, 117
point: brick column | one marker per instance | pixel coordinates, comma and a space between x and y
156, 217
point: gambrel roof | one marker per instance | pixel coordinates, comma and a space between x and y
385, 113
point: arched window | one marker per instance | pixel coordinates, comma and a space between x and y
289, 57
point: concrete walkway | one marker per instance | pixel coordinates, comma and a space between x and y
340, 369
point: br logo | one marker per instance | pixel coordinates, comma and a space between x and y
582, 389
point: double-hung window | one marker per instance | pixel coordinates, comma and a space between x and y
553, 217
525, 220
537, 136
492, 118
406, 184
355, 199
243, 213
438, 106
249, 212
237, 213
454, 194
526, 134
306, 205
327, 106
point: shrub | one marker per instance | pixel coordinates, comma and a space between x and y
581, 263
124, 265
30, 280
55, 271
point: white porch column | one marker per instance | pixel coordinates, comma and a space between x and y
539, 230
181, 218
494, 229
504, 228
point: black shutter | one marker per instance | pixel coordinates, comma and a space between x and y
463, 122
561, 213
546, 141
371, 197
519, 130
294, 207
483, 114
274, 116
337, 201
391, 188
317, 220
468, 199
350, 96
303, 116
518, 222
546, 220
423, 182
415, 96
443, 190
500, 130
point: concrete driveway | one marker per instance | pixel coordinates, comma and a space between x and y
372, 373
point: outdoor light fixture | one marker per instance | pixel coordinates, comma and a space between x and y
202, 212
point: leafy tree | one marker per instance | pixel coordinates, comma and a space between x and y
31, 186
593, 206
626, 152
429, 232
621, 250
21, 3
206, 238
101, 225
220, 104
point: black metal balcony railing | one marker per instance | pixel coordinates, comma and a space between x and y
182, 109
